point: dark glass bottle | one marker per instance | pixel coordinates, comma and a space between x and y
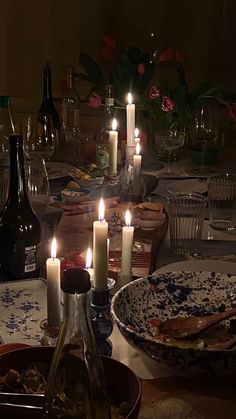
47, 105
76, 383
20, 231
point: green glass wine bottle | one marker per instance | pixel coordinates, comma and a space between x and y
20, 231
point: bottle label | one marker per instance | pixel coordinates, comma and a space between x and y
109, 101
30, 258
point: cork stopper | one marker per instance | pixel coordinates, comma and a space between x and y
76, 281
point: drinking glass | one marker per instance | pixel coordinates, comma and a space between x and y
171, 140
39, 135
186, 211
203, 130
222, 201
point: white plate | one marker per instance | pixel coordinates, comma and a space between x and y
188, 185
209, 265
23, 306
57, 170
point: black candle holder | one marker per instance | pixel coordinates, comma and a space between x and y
101, 317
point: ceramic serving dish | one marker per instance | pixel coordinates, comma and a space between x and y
86, 183
149, 224
139, 306
123, 384
74, 196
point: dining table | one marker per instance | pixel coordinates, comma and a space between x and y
213, 397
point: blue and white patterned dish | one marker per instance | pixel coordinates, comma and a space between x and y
23, 306
167, 295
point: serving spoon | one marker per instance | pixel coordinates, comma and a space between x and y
181, 327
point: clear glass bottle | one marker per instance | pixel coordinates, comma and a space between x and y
76, 383
102, 149
70, 108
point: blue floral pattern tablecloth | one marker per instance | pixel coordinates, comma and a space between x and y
23, 306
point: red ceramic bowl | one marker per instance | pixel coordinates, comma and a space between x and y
123, 384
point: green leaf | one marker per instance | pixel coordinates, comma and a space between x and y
92, 69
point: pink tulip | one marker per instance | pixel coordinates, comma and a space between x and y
167, 54
232, 112
154, 92
94, 100
109, 40
168, 104
179, 55
141, 69
107, 52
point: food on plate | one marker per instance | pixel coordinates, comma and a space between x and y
213, 338
72, 185
29, 380
77, 173
85, 173
150, 211
33, 379
74, 193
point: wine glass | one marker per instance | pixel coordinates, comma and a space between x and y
39, 135
37, 184
203, 131
173, 139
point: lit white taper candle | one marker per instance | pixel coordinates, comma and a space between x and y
136, 136
100, 263
130, 120
88, 264
127, 246
53, 269
113, 139
137, 161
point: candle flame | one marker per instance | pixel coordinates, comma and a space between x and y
88, 259
114, 124
136, 132
128, 218
137, 150
54, 248
129, 98
101, 210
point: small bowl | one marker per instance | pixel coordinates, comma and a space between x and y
74, 196
87, 183
149, 224
139, 306
123, 384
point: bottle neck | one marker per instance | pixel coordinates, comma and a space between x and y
47, 85
17, 187
70, 80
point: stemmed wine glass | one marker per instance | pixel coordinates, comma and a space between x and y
37, 184
173, 139
203, 131
40, 135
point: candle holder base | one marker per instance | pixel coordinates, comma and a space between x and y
101, 318
50, 334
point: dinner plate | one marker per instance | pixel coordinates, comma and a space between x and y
188, 185
57, 170
23, 306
